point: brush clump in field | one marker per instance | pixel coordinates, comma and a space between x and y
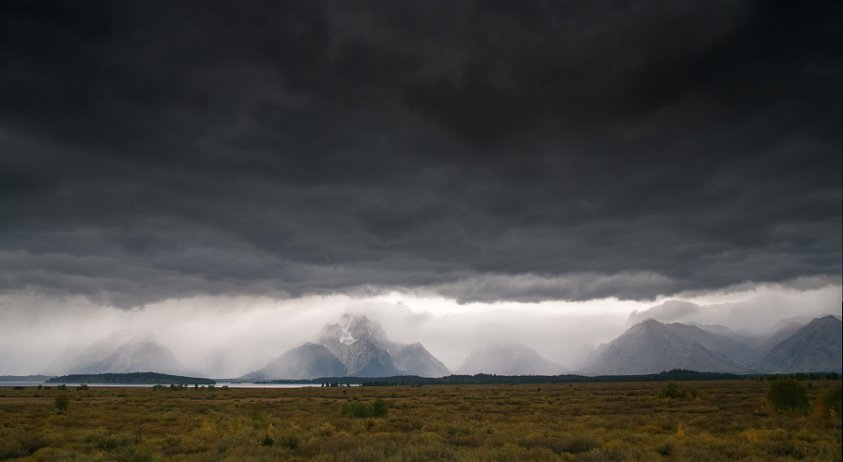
62, 402
674, 390
267, 440
830, 403
362, 410
788, 395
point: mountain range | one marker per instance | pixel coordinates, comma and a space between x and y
359, 347
652, 346
354, 347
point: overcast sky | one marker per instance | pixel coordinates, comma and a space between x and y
476, 153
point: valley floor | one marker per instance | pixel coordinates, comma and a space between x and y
727, 421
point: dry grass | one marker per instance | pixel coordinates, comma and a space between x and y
727, 421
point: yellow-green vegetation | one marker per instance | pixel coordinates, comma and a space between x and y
726, 421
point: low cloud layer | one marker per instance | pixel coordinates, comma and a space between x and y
484, 150
758, 313
225, 336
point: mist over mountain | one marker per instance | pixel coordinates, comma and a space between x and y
715, 329
115, 354
361, 345
817, 346
651, 347
508, 359
781, 331
668, 311
357, 347
755, 316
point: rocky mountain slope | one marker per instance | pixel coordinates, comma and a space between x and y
813, 347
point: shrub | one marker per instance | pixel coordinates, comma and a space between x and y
379, 408
108, 441
830, 403
665, 449
578, 444
674, 390
363, 410
358, 410
289, 442
62, 402
574, 444
788, 395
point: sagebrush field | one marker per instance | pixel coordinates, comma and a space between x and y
719, 421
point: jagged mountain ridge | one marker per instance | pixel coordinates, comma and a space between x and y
355, 347
364, 347
361, 345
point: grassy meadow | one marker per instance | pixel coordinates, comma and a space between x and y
724, 421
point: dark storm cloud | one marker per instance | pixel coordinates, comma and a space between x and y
490, 149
